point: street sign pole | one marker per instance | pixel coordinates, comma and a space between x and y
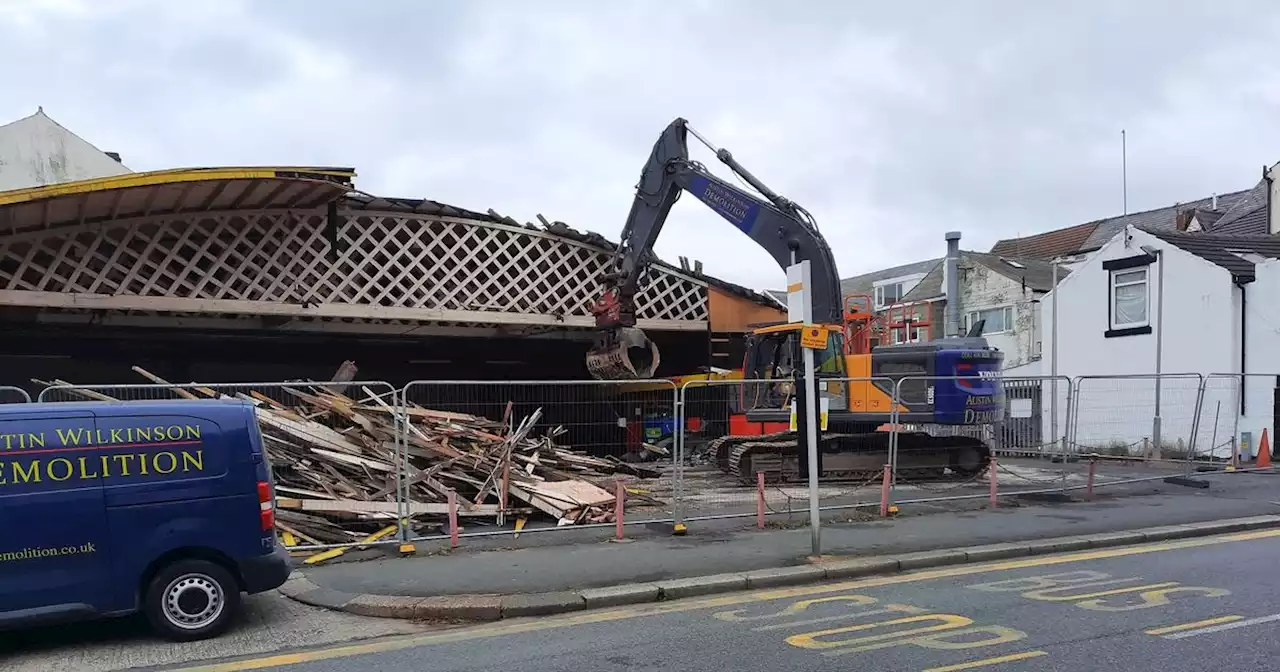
800, 309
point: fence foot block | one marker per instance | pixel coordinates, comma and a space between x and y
1188, 482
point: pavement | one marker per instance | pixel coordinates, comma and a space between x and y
466, 585
1208, 603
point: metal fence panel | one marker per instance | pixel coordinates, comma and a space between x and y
1219, 418
1237, 409
1029, 425
1114, 415
722, 413
627, 422
1033, 421
315, 457
13, 395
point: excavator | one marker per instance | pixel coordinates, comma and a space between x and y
953, 380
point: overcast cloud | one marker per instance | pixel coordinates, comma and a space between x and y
891, 124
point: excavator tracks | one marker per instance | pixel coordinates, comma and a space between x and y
851, 457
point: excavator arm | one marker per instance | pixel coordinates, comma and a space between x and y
782, 228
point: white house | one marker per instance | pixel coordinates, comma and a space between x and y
36, 151
1218, 297
1003, 291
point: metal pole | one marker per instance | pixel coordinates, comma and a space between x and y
678, 527
1155, 421
811, 414
1053, 361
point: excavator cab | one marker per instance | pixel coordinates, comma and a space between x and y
774, 354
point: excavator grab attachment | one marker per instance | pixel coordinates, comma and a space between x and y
623, 353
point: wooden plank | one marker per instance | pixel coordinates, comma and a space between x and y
161, 381
355, 460
581, 493
309, 432
352, 506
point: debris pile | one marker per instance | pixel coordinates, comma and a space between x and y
334, 456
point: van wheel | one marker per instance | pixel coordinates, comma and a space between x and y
191, 599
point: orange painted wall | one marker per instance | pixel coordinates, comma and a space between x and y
731, 313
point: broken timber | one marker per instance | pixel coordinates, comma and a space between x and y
335, 460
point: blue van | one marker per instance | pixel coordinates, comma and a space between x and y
107, 509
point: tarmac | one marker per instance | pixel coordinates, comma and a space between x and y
486, 584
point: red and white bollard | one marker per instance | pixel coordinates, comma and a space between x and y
991, 475
760, 500
1093, 470
884, 491
453, 519
619, 496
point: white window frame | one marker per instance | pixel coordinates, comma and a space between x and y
971, 318
917, 335
879, 293
1114, 283
905, 284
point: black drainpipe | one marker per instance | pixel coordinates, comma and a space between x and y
1244, 311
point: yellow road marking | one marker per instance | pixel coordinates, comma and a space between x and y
1192, 626
604, 616
989, 661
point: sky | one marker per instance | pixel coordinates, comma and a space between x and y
891, 123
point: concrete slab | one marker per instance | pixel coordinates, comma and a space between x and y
1259, 522
617, 596
1167, 532
784, 576
930, 559
541, 604
459, 608
1109, 539
995, 552
383, 606
853, 568
702, 585
1063, 545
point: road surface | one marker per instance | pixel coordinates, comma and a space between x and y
1193, 605
270, 622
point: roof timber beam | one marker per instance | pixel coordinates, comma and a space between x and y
35, 299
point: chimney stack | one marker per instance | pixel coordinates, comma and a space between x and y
951, 313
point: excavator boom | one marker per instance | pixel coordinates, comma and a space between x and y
785, 230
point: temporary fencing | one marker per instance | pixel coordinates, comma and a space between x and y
1236, 410
1219, 427
14, 395
337, 470
720, 476
1116, 415
1014, 417
355, 477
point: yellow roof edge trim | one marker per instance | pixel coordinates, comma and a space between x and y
794, 326
170, 176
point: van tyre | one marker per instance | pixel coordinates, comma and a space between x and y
191, 599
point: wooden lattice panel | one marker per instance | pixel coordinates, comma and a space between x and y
386, 261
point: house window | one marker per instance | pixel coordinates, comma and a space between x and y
887, 295
999, 320
917, 335
1129, 298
